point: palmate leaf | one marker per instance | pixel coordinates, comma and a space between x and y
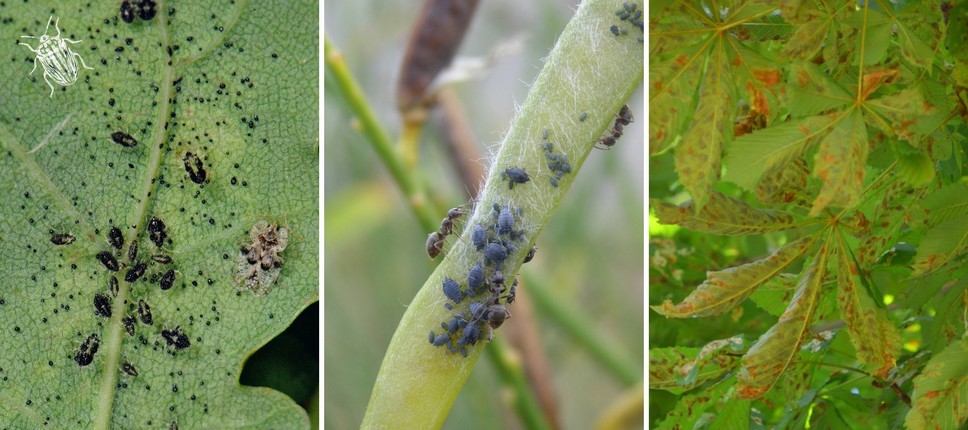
775, 350
871, 332
665, 365
940, 399
772, 148
942, 244
725, 289
723, 215
698, 157
841, 163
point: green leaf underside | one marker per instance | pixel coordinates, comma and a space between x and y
723, 215
775, 350
942, 244
698, 156
886, 221
775, 294
665, 366
62, 173
940, 398
841, 163
871, 332
771, 148
725, 289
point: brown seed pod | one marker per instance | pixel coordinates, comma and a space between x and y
435, 38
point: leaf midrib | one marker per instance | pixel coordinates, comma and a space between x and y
113, 341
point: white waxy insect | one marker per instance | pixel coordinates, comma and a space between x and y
58, 60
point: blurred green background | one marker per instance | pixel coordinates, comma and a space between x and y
591, 254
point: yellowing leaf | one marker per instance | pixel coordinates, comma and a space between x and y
672, 86
942, 244
723, 215
872, 334
940, 399
775, 350
771, 148
807, 40
698, 157
900, 113
841, 163
725, 289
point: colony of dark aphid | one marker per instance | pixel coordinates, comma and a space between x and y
484, 290
557, 163
115, 238
85, 354
623, 119
174, 337
156, 231
630, 13
102, 305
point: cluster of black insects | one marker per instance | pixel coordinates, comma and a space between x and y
629, 12
623, 119
557, 163
144, 9
485, 286
102, 302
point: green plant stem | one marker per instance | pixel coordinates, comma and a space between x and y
580, 329
377, 137
586, 79
509, 368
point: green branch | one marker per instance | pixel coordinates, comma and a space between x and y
377, 136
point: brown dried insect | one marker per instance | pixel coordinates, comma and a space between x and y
259, 262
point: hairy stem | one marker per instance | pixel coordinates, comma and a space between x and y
587, 78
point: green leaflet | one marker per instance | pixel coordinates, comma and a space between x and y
807, 40
725, 289
940, 397
665, 364
775, 294
698, 157
755, 153
723, 215
913, 165
942, 244
813, 92
841, 163
775, 350
691, 408
871, 332
945, 203
898, 114
886, 221
672, 85
874, 38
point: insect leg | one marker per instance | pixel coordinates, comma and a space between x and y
82, 60
48, 84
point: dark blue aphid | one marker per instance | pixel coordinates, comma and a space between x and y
475, 277
495, 252
478, 311
505, 221
453, 325
515, 175
479, 237
472, 334
452, 290
439, 340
